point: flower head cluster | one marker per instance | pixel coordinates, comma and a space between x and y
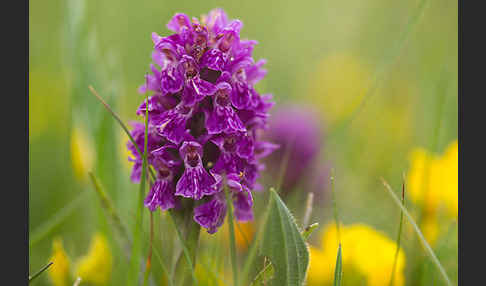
204, 118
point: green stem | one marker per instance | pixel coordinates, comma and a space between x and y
334, 206
399, 236
137, 230
229, 202
148, 265
189, 242
40, 271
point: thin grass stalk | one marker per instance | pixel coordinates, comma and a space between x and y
137, 230
108, 206
247, 242
122, 125
285, 163
44, 229
234, 265
308, 209
31, 278
148, 264
334, 206
161, 263
381, 74
426, 245
399, 236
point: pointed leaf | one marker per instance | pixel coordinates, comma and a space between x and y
338, 271
284, 245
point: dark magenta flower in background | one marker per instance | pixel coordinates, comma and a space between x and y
204, 118
298, 131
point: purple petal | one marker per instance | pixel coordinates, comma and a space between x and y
202, 87
213, 59
173, 124
211, 215
243, 201
224, 119
196, 183
161, 195
179, 21
171, 80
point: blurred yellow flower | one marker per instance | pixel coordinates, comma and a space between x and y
244, 232
339, 86
95, 267
124, 152
82, 152
433, 185
366, 253
59, 270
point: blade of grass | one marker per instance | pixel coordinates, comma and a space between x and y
380, 75
122, 125
149, 256
399, 235
77, 282
44, 229
334, 206
107, 204
426, 245
308, 209
338, 271
242, 233
161, 263
252, 254
229, 202
31, 278
137, 230
285, 163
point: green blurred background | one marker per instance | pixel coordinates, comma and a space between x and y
326, 54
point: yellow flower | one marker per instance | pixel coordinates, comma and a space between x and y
82, 152
339, 86
244, 232
366, 253
124, 152
95, 267
433, 180
433, 185
59, 270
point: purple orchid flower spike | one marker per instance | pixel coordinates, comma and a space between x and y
205, 118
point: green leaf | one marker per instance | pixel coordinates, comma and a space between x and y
284, 245
338, 271
268, 270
